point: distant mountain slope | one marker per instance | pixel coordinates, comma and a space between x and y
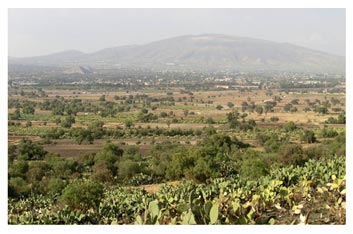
206, 52
69, 56
78, 70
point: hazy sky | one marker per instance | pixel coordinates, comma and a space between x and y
43, 31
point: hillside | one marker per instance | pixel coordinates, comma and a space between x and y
201, 52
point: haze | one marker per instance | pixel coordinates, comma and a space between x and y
35, 32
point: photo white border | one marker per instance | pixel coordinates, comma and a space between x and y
5, 228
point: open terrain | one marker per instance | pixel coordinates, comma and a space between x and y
176, 147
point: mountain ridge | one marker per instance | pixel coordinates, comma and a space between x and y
205, 52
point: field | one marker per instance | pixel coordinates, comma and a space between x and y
278, 151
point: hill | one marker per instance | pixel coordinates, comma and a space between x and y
201, 52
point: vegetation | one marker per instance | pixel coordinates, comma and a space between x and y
177, 149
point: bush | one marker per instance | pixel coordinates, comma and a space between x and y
292, 154
219, 107
61, 167
18, 187
101, 172
316, 152
253, 166
274, 119
27, 150
37, 171
328, 132
128, 168
18, 169
308, 136
55, 186
82, 194
201, 171
289, 127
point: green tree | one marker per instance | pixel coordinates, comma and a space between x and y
18, 187
128, 168
230, 104
321, 110
219, 107
289, 127
129, 123
28, 109
55, 186
106, 158
287, 107
102, 98
253, 165
67, 121
259, 110
27, 150
201, 171
18, 168
82, 194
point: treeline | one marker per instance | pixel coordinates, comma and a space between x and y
96, 131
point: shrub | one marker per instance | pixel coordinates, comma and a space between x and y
253, 166
27, 150
18, 187
82, 194
308, 136
128, 168
292, 154
101, 172
18, 169
289, 127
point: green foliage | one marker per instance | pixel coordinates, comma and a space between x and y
219, 107
128, 168
289, 127
17, 187
253, 165
259, 110
105, 169
55, 186
277, 198
18, 168
308, 136
27, 150
36, 171
327, 132
321, 110
61, 167
82, 194
80, 135
102, 98
67, 121
341, 119
129, 123
28, 109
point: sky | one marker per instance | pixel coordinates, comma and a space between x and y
33, 32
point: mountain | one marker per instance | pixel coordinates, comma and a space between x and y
205, 52
69, 56
78, 70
